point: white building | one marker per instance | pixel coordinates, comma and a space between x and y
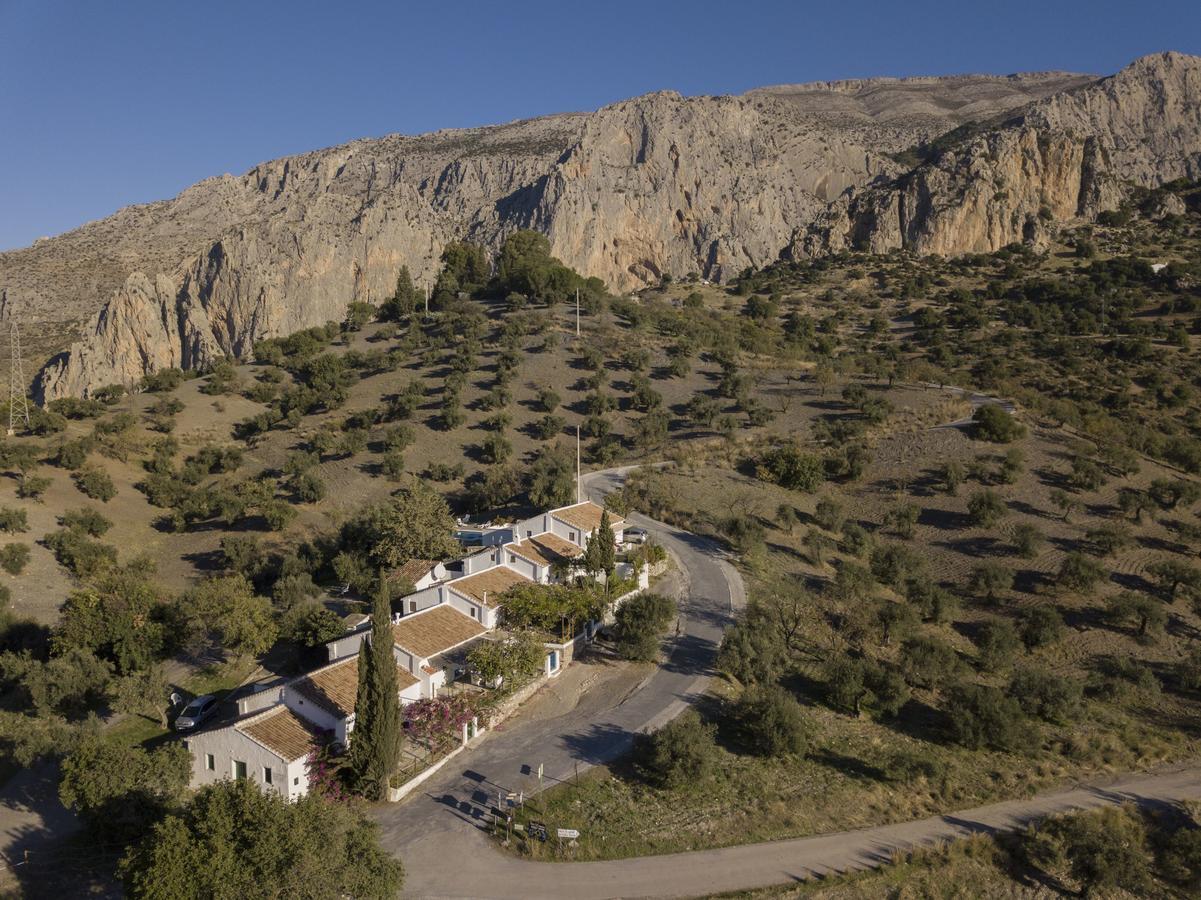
280, 726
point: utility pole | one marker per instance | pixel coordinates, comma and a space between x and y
578, 486
18, 401
427, 299
577, 312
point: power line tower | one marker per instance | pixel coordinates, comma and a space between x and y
18, 397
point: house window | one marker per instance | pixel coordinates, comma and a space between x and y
529, 533
296, 780
474, 613
512, 558
412, 606
210, 762
267, 775
572, 538
239, 769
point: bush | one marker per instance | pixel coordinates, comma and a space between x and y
997, 643
792, 468
13, 558
681, 753
31, 487
992, 423
986, 508
640, 620
981, 716
13, 520
95, 483
1104, 850
928, 661
1042, 625
752, 652
1078, 572
770, 721
1047, 696
86, 520
855, 684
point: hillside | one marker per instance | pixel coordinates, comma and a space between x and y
817, 416
658, 185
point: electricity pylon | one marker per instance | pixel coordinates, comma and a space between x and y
18, 397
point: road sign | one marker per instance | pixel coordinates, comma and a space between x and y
569, 833
537, 830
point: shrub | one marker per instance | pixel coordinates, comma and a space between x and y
928, 661
1047, 696
681, 753
95, 483
1104, 850
13, 520
770, 721
86, 520
13, 558
989, 580
1042, 625
986, 508
1078, 572
992, 423
752, 652
981, 716
792, 468
640, 620
31, 487
1026, 540
997, 643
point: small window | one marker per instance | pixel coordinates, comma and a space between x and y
529, 533
412, 606
473, 612
210, 762
512, 558
267, 775
296, 780
572, 538
239, 769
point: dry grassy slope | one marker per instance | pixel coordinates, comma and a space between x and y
352, 482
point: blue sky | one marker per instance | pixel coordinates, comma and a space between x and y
109, 102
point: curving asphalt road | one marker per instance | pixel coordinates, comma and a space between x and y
437, 833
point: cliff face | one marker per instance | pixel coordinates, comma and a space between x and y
658, 184
1064, 157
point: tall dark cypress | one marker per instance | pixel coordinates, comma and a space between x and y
375, 747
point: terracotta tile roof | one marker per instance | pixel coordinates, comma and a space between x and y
436, 629
585, 516
334, 688
487, 586
546, 549
282, 732
413, 570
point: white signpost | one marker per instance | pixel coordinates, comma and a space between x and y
569, 833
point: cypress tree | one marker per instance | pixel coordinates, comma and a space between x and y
607, 552
376, 744
360, 740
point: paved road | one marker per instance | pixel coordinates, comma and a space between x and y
437, 833
470, 867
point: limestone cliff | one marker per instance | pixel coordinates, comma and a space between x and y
658, 184
1062, 158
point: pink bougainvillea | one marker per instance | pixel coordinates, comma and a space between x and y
439, 721
325, 776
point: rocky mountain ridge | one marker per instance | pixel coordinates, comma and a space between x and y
658, 184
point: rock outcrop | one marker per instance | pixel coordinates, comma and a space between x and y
658, 184
1064, 157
